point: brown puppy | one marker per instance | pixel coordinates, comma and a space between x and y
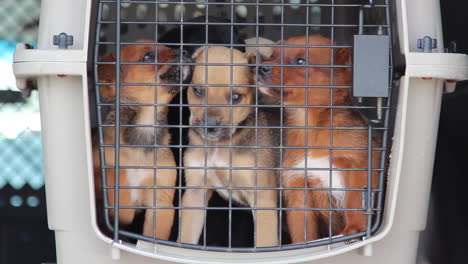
317, 161
222, 157
149, 156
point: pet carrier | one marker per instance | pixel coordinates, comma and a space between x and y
239, 131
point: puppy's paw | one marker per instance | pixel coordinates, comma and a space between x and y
352, 229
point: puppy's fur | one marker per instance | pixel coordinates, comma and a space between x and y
139, 156
265, 52
212, 134
350, 221
196, 34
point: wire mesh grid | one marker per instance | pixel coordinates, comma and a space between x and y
20, 142
244, 102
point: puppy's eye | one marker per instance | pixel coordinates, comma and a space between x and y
148, 57
236, 98
198, 91
300, 61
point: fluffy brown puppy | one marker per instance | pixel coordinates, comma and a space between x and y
212, 129
317, 161
145, 137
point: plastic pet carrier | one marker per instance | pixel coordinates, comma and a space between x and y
239, 131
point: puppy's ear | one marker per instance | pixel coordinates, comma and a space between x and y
251, 56
264, 53
106, 72
108, 57
343, 56
198, 51
187, 71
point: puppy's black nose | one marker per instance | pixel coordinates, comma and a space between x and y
264, 70
211, 123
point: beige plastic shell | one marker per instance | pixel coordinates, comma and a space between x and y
68, 163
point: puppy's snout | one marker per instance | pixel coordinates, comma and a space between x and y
264, 70
212, 125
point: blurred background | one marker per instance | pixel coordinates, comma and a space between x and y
23, 218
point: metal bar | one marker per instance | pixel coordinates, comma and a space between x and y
231, 117
268, 127
246, 188
155, 130
244, 24
222, 64
281, 108
205, 176
217, 45
243, 3
241, 147
181, 169
332, 81
268, 106
241, 208
369, 183
102, 156
385, 135
306, 143
225, 85
239, 168
117, 124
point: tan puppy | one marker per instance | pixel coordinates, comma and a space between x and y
319, 161
210, 131
162, 219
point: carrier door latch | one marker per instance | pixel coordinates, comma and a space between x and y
427, 44
63, 40
371, 67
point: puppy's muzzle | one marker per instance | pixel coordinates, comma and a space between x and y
210, 129
264, 74
264, 70
212, 126
264, 80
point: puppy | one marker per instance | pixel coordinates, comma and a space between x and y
317, 161
264, 53
210, 130
196, 34
139, 155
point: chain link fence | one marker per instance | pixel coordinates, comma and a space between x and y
23, 221
20, 144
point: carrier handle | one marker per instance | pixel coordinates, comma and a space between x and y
31, 63
448, 66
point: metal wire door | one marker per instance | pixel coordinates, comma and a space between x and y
135, 157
